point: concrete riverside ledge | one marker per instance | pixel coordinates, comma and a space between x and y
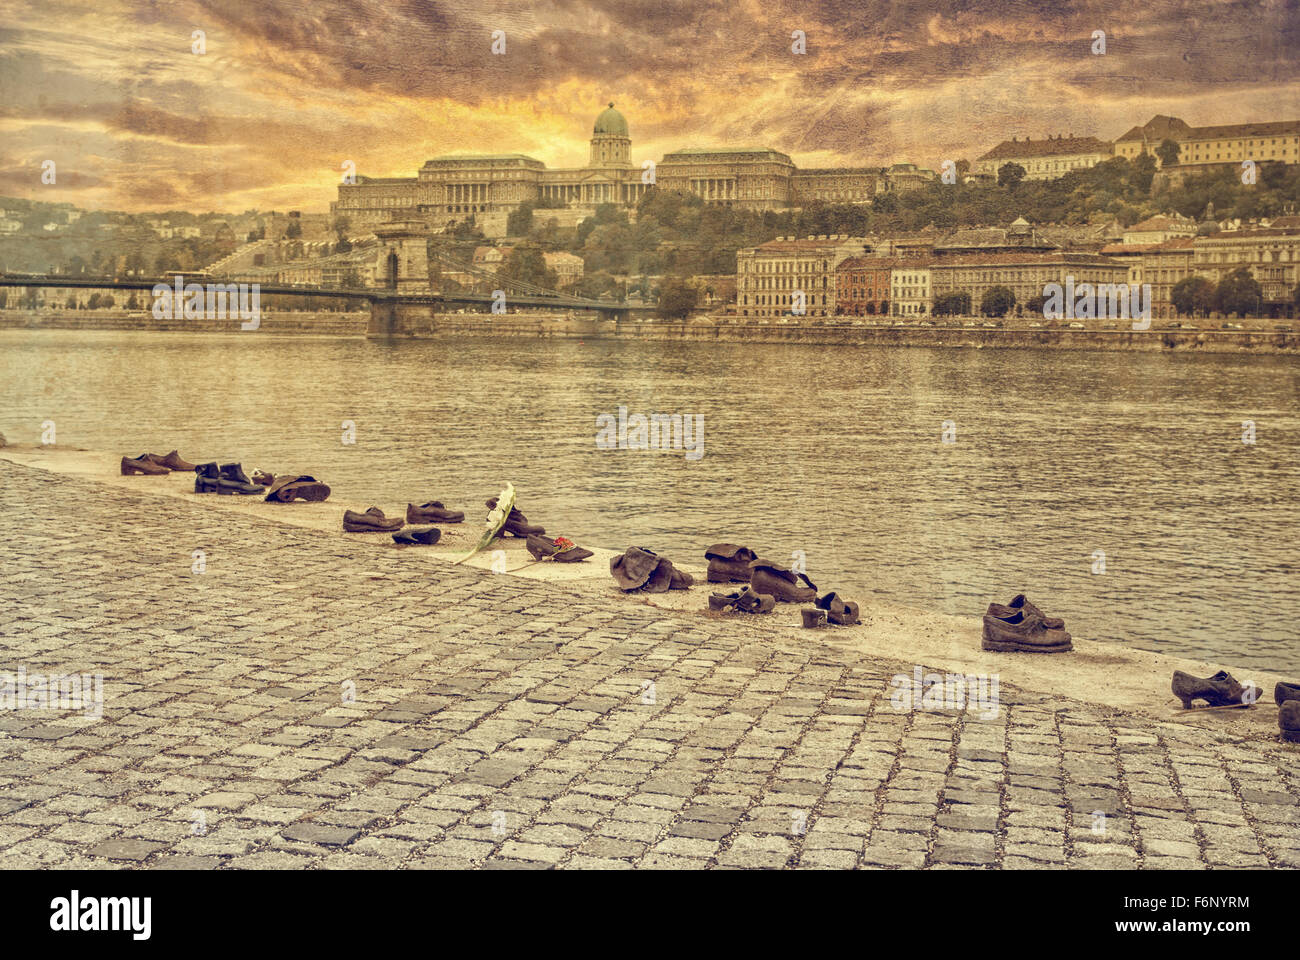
314, 699
419, 321
322, 323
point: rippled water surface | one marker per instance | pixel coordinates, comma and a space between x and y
835, 451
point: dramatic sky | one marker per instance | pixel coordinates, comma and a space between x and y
289, 89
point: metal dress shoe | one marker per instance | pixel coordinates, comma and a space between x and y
729, 563
171, 461
1021, 602
1021, 633
1220, 690
1288, 721
432, 512
781, 582
372, 521
142, 465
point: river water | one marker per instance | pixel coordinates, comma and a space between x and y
838, 452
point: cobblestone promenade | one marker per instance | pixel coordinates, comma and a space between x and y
314, 702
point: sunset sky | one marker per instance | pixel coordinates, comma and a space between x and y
290, 89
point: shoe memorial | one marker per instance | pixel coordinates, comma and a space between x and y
1018, 603
263, 478
432, 512
561, 549
842, 612
517, 524
742, 601
1286, 691
417, 536
814, 617
143, 466
171, 461
1022, 632
729, 563
228, 479
781, 582
640, 569
288, 487
1220, 690
1288, 721
372, 521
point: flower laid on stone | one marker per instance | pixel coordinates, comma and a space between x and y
496, 519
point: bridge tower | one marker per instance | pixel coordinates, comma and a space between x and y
403, 263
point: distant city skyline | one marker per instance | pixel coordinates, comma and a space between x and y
285, 92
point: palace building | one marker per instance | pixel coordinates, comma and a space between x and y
490, 186
1229, 143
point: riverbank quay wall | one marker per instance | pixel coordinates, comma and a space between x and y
419, 321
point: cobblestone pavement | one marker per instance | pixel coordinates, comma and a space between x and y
502, 723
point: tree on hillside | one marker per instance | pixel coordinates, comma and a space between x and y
1010, 174
1192, 296
1238, 293
519, 221
1168, 152
997, 301
526, 265
1144, 171
677, 298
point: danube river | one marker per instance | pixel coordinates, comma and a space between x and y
1115, 488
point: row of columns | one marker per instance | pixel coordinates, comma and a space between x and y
715, 189
467, 193
594, 192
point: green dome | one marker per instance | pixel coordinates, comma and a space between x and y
611, 123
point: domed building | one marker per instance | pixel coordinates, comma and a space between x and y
610, 144
488, 187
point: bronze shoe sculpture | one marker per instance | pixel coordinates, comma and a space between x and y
729, 563
372, 521
171, 461
1288, 721
561, 549
142, 465
813, 617
1024, 634
289, 487
781, 582
640, 569
418, 536
743, 601
1021, 602
843, 612
209, 478
263, 478
1286, 691
1220, 690
231, 479
432, 512
517, 524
